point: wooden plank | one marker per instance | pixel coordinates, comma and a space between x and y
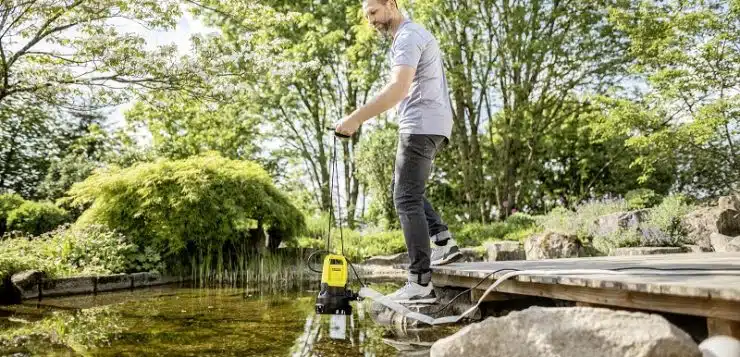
718, 327
693, 284
707, 307
475, 295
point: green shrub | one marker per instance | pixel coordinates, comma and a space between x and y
642, 198
517, 227
8, 202
582, 221
473, 234
521, 220
200, 204
667, 217
620, 239
69, 251
384, 243
36, 217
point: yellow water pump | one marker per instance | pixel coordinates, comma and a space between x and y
335, 295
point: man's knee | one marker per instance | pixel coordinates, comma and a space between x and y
408, 203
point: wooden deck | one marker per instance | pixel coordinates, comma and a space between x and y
697, 292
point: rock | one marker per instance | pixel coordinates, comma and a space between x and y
550, 245
475, 254
504, 250
701, 223
562, 331
613, 223
729, 202
28, 279
388, 260
720, 346
723, 243
647, 251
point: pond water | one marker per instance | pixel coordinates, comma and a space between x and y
184, 321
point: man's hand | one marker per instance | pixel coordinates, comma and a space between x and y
347, 126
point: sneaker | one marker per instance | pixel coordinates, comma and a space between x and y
414, 293
445, 254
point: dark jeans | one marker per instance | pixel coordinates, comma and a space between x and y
419, 221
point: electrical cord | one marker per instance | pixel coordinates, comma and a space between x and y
334, 174
469, 289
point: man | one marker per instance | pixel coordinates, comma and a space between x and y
419, 84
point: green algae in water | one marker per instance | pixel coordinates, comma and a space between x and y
198, 322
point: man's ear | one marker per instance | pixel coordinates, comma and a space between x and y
403, 75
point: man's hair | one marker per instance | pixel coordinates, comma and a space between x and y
385, 2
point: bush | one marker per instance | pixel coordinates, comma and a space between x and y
582, 221
384, 243
200, 204
68, 251
667, 217
97, 250
642, 198
8, 202
521, 220
36, 217
517, 227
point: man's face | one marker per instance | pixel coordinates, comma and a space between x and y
379, 14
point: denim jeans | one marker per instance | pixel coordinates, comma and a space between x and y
414, 156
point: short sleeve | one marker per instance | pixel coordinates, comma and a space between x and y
407, 49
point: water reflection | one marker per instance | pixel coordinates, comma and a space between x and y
182, 321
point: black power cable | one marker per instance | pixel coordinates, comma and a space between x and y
334, 174
469, 289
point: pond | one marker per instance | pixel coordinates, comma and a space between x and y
186, 321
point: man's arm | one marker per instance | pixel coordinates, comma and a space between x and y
392, 93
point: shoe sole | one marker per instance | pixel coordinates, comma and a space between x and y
451, 258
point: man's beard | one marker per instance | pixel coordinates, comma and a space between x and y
384, 28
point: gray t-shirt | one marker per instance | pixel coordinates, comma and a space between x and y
426, 109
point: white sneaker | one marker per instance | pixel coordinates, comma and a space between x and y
414, 293
445, 254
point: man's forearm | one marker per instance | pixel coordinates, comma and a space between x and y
386, 99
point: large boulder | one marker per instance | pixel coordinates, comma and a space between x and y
723, 219
504, 250
615, 222
580, 331
723, 243
551, 245
730, 202
28, 279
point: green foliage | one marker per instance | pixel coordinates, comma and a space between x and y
36, 217
667, 217
582, 221
374, 244
375, 161
518, 226
183, 125
358, 246
642, 198
200, 203
621, 239
67, 251
696, 105
8, 202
